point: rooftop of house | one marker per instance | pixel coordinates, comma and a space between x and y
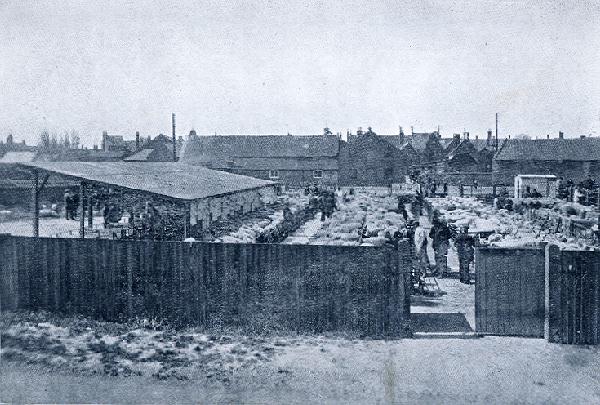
80, 155
578, 149
170, 179
218, 147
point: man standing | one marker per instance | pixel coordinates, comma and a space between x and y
68, 203
464, 249
421, 247
440, 235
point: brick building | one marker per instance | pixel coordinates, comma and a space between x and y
370, 160
572, 159
429, 146
470, 155
295, 161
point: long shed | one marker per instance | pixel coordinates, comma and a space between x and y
204, 194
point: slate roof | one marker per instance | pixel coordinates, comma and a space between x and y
579, 149
170, 179
264, 145
263, 152
257, 163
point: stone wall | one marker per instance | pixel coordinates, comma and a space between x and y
293, 178
505, 171
204, 212
371, 161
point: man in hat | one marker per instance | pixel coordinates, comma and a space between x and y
440, 236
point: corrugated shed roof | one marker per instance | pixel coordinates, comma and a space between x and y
586, 149
204, 148
17, 157
175, 180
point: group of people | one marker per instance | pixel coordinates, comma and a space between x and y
323, 200
440, 234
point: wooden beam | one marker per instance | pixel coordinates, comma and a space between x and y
82, 208
44, 181
36, 205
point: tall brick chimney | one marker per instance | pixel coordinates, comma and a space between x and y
104, 136
561, 135
489, 137
137, 140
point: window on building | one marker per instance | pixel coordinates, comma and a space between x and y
318, 174
273, 174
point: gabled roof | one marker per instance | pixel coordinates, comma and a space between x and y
174, 180
466, 147
206, 149
17, 157
481, 144
579, 149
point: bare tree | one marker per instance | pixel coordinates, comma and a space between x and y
65, 141
75, 139
44, 140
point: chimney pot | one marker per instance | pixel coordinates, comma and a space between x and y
561, 135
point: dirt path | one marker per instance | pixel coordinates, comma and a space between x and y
303, 234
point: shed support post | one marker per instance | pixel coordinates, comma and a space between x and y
36, 205
90, 207
186, 220
82, 209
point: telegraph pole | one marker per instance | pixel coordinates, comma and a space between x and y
174, 140
496, 132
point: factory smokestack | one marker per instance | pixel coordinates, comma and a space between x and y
174, 139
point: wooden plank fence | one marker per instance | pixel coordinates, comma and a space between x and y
256, 287
509, 291
538, 292
572, 296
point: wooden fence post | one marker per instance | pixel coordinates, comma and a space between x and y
36, 205
552, 293
82, 207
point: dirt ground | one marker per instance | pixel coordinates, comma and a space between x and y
429, 371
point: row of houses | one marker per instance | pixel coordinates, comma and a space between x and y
363, 159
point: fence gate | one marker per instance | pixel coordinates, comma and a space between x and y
573, 296
510, 291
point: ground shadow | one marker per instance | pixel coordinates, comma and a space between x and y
425, 301
439, 322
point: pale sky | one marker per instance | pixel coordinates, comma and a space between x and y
271, 67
